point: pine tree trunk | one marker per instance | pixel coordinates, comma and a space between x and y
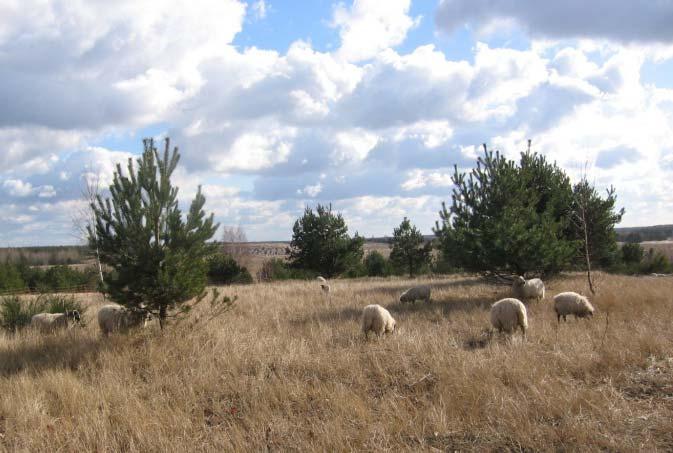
588, 258
162, 316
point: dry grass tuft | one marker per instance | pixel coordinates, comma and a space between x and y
286, 370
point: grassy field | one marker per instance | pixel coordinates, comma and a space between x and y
288, 370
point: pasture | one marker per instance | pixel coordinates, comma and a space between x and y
287, 369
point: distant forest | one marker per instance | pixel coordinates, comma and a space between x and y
45, 256
649, 233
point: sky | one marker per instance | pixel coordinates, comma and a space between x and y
276, 105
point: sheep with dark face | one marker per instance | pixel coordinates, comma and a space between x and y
571, 303
114, 318
49, 322
528, 289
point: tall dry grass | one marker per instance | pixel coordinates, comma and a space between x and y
288, 370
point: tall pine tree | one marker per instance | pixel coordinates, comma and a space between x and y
157, 255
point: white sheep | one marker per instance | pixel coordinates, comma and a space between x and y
48, 322
421, 292
113, 317
509, 314
324, 285
571, 303
378, 320
528, 289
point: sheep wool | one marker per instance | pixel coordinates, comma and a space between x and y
509, 314
528, 289
571, 303
113, 317
47, 322
324, 284
377, 319
421, 292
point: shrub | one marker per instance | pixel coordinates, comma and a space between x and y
655, 262
10, 277
63, 277
15, 314
59, 303
442, 266
356, 270
224, 270
376, 264
632, 252
278, 269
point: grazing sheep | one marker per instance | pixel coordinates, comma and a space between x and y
509, 314
528, 289
570, 303
113, 317
48, 322
378, 320
323, 284
421, 292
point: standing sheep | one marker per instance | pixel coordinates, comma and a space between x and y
113, 317
49, 322
509, 314
421, 292
528, 289
570, 303
324, 285
378, 320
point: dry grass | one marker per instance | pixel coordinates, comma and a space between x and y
665, 247
285, 370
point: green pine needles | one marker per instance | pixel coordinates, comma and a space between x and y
409, 249
321, 243
157, 256
510, 217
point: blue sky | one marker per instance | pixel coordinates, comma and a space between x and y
367, 105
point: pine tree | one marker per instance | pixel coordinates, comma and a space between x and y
593, 224
409, 251
320, 243
508, 218
158, 258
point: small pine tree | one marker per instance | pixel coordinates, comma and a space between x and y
593, 221
320, 243
409, 251
158, 257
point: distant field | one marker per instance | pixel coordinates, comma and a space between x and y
254, 254
288, 370
665, 247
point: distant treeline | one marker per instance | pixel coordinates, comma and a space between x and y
649, 233
45, 256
